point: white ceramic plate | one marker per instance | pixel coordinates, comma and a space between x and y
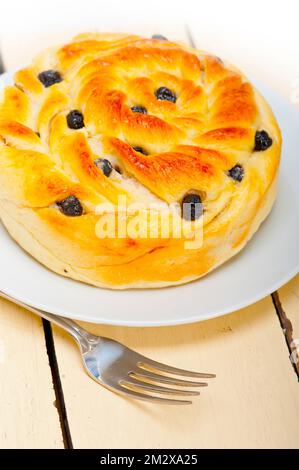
267, 262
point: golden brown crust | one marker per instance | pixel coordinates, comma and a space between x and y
191, 145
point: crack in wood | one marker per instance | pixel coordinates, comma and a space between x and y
190, 37
59, 402
2, 69
287, 329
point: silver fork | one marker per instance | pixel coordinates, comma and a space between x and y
121, 369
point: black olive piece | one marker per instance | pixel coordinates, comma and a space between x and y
49, 77
262, 141
140, 150
104, 165
139, 109
75, 119
71, 206
160, 37
192, 207
165, 94
236, 173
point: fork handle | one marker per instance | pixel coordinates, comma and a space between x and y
83, 337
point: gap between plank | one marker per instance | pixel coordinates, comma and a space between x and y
284, 321
60, 403
287, 329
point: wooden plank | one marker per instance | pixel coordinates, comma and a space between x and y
288, 298
29, 418
253, 402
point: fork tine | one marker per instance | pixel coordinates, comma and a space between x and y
156, 389
142, 396
147, 375
174, 370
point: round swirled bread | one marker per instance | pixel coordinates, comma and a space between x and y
112, 117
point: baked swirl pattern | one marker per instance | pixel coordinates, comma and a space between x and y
112, 115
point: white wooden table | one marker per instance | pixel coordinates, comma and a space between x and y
253, 402
46, 399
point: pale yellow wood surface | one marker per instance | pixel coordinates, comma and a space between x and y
253, 402
289, 297
28, 417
